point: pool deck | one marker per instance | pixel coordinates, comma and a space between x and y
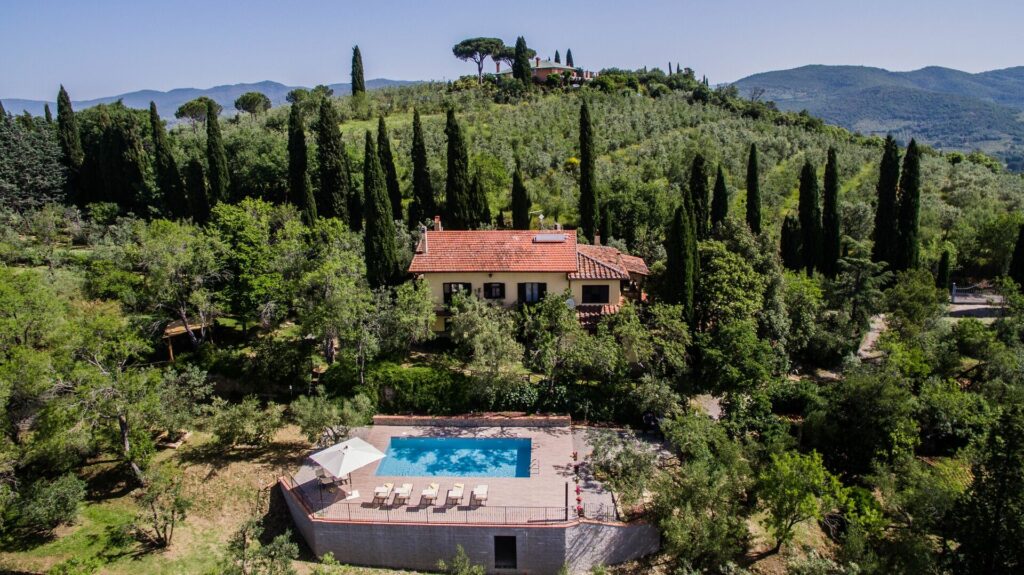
538, 498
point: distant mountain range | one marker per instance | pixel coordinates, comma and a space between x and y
168, 102
945, 108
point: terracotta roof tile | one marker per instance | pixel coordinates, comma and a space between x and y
591, 268
589, 315
495, 251
613, 257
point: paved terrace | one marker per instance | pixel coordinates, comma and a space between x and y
547, 496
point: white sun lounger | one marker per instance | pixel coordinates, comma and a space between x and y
383, 492
455, 494
479, 494
403, 493
429, 495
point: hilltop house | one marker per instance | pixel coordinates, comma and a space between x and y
512, 267
541, 69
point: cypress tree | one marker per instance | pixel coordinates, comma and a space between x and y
423, 206
168, 177
568, 59
885, 210
216, 158
909, 210
588, 177
358, 84
3, 112
1016, 271
457, 186
332, 162
680, 262
480, 208
753, 190
387, 161
299, 187
558, 59
198, 194
720, 199
831, 234
520, 201
47, 115
789, 244
380, 249
68, 134
942, 276
606, 223
810, 219
699, 196
521, 63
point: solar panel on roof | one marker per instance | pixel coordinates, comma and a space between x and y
549, 239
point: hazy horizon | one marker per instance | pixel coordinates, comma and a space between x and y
196, 44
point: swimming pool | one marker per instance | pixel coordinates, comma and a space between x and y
457, 457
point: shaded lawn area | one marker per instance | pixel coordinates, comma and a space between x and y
223, 486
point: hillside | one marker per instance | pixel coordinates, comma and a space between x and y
946, 108
169, 101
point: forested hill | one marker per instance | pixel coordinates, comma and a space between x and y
170, 100
946, 108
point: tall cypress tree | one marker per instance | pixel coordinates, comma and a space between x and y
520, 201
47, 115
1016, 271
216, 158
568, 59
299, 187
588, 176
606, 223
810, 219
480, 208
942, 276
909, 210
698, 189
680, 262
198, 194
457, 186
720, 199
423, 206
380, 249
332, 163
3, 112
68, 134
387, 161
168, 178
753, 191
558, 59
521, 63
886, 230
358, 84
789, 243
831, 234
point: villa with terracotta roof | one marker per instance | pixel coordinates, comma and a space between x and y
512, 267
541, 69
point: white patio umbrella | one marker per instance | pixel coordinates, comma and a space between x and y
345, 457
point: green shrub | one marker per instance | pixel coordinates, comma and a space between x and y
397, 389
278, 364
48, 504
76, 566
244, 423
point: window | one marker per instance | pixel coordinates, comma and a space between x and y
494, 291
532, 292
504, 552
454, 288
595, 294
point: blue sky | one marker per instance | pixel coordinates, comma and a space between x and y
104, 47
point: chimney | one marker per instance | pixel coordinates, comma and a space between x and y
423, 234
437, 224
597, 239
497, 66
536, 62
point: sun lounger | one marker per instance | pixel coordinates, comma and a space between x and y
403, 493
429, 495
479, 495
455, 494
383, 492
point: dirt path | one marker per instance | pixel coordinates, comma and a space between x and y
867, 350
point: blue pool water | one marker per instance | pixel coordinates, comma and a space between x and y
457, 457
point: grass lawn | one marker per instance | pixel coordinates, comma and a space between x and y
223, 486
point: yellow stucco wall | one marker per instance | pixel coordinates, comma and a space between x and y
557, 282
